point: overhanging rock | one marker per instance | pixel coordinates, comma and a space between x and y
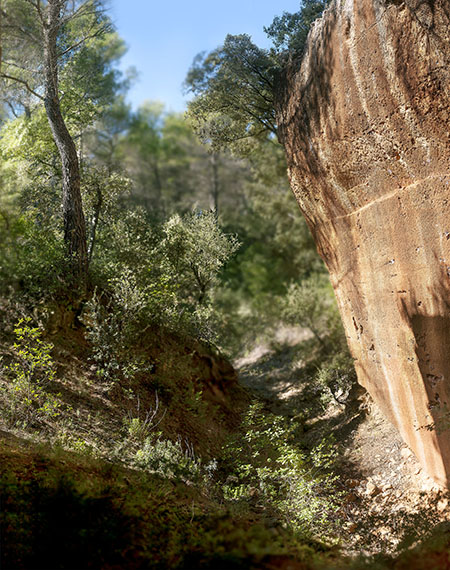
365, 120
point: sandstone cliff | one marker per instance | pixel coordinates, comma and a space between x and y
365, 120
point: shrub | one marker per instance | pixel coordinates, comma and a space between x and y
31, 255
139, 428
336, 376
30, 372
115, 325
169, 459
266, 464
168, 284
311, 304
193, 251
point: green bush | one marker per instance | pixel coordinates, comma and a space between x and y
336, 377
168, 284
169, 459
193, 251
31, 371
114, 326
139, 426
311, 304
31, 256
266, 464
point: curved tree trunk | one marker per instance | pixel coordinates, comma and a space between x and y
365, 121
74, 222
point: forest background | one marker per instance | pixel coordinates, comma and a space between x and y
177, 231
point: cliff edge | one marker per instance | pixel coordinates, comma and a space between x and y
365, 121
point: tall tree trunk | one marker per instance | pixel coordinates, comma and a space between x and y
365, 121
214, 191
74, 222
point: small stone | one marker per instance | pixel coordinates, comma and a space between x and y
417, 470
372, 489
406, 453
427, 486
442, 505
383, 530
350, 498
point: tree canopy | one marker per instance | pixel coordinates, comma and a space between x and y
234, 85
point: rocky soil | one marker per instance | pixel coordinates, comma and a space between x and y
389, 503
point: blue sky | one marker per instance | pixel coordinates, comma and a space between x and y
163, 37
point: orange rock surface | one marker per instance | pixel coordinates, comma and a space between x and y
365, 120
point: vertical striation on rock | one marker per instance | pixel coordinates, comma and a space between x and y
365, 121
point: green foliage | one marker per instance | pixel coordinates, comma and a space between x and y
88, 48
276, 249
289, 31
88, 77
233, 86
194, 250
139, 427
171, 171
114, 327
147, 449
169, 263
66, 439
30, 374
21, 53
336, 376
160, 278
310, 305
124, 243
121, 520
266, 464
169, 459
49, 523
31, 256
85, 81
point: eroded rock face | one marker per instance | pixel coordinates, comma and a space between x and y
365, 121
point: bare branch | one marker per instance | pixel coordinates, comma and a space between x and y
13, 64
17, 26
11, 107
100, 31
22, 82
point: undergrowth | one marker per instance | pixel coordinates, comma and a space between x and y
29, 374
57, 519
265, 466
